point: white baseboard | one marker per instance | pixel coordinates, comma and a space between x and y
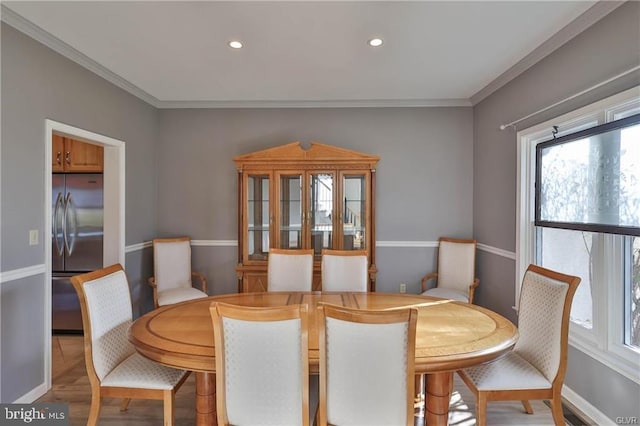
32, 395
586, 408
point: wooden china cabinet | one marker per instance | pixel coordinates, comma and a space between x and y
303, 197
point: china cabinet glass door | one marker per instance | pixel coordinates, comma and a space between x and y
354, 212
258, 222
321, 214
290, 211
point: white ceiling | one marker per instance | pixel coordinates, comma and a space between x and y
303, 51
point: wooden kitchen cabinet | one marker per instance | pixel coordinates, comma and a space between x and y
70, 155
296, 197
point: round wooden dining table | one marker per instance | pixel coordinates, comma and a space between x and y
449, 336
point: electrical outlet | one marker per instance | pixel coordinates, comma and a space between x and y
33, 237
403, 288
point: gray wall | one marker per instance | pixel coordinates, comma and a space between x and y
37, 84
608, 48
424, 177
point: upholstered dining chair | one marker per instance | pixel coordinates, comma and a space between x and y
367, 363
345, 270
290, 270
455, 277
455, 280
536, 366
172, 272
262, 364
114, 367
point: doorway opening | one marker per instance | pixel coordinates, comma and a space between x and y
114, 213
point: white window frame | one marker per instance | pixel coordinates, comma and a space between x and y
604, 342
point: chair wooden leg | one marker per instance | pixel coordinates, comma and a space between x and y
169, 415
481, 409
527, 406
556, 410
125, 404
94, 411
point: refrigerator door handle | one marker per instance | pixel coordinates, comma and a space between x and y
56, 216
70, 209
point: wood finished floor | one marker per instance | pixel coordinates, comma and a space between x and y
71, 385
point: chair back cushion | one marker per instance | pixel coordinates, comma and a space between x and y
263, 372
290, 270
109, 312
344, 272
456, 265
366, 373
172, 263
540, 321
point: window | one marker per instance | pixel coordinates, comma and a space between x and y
605, 316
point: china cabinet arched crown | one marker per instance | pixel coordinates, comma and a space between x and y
303, 197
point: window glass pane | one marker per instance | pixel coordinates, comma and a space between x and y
258, 217
633, 294
354, 217
291, 212
570, 252
630, 175
321, 212
591, 182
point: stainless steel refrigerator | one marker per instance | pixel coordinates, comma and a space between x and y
77, 234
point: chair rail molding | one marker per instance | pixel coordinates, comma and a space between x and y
406, 244
215, 243
385, 244
497, 251
137, 247
16, 274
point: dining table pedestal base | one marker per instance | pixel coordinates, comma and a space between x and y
206, 399
437, 396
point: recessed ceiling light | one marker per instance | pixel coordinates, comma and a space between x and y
375, 42
235, 44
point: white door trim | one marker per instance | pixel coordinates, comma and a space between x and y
114, 215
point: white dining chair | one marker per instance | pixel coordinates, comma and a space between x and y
114, 367
172, 280
345, 270
536, 366
367, 363
455, 277
290, 270
262, 364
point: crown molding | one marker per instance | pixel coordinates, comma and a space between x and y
575, 27
27, 27
364, 103
584, 21
16, 21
